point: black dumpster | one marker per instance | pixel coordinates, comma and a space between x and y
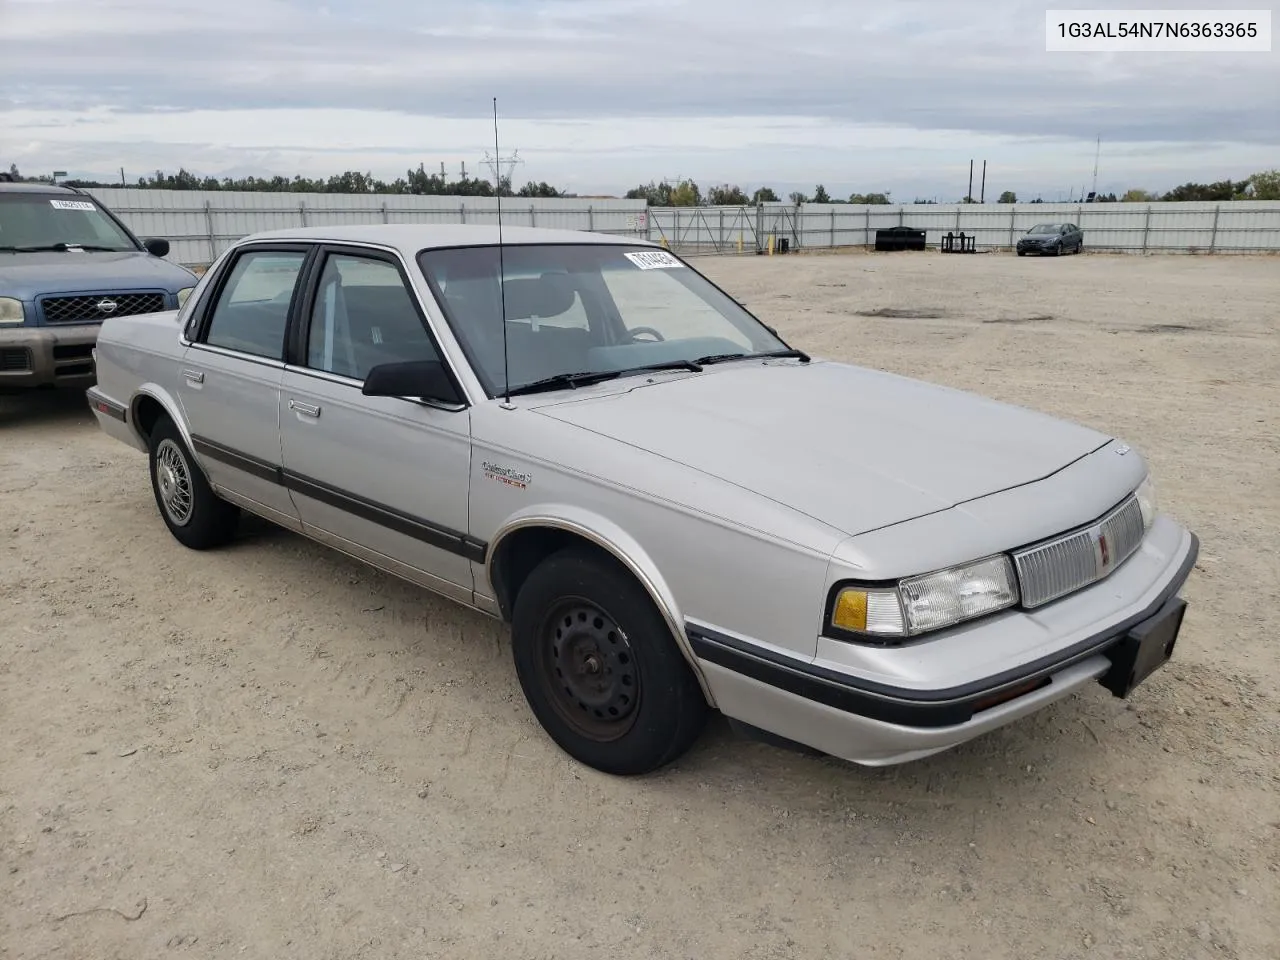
899, 238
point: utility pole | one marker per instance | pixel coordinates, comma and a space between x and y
1097, 151
982, 198
968, 197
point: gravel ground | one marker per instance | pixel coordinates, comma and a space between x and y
270, 751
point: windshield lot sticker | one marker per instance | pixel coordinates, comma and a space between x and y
512, 478
71, 205
655, 260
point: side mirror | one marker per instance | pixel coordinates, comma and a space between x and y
411, 378
156, 246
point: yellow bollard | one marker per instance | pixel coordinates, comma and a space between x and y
665, 244
739, 242
771, 244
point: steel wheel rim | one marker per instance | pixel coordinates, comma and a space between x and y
173, 479
589, 669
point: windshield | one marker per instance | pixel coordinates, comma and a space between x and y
40, 221
1044, 228
583, 308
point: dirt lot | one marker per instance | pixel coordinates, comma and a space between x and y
272, 752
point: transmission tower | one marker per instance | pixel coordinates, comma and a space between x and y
502, 168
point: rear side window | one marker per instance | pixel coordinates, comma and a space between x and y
253, 308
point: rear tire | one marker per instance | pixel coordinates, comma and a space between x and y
599, 667
194, 514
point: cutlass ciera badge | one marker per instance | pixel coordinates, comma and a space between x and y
512, 478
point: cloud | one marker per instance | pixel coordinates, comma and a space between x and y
597, 92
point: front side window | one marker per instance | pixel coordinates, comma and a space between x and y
252, 310
363, 316
33, 221
581, 308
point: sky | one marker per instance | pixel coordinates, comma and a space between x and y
597, 96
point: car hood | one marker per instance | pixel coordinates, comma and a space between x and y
854, 448
29, 275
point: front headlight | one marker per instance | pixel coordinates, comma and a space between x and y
11, 311
183, 294
1146, 496
929, 602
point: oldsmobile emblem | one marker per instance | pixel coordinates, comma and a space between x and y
512, 478
106, 306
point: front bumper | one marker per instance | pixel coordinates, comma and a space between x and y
47, 356
873, 722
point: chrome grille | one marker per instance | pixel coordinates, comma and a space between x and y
96, 307
1067, 563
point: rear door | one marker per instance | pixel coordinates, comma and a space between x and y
229, 384
382, 478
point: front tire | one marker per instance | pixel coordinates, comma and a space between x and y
194, 514
599, 667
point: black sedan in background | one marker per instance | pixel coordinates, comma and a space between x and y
1054, 238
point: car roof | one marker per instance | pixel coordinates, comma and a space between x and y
412, 237
26, 187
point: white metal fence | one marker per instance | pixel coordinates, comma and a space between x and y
200, 225
1234, 227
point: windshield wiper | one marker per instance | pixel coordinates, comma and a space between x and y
61, 247
587, 377
776, 354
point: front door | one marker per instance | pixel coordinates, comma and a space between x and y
229, 381
382, 478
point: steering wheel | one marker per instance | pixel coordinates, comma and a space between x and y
635, 330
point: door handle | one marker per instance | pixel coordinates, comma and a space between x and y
193, 376
306, 409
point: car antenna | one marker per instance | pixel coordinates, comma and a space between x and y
502, 276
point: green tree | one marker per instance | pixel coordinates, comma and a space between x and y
820, 194
1136, 195
1008, 197
686, 194
869, 198
727, 196
764, 195
1221, 190
539, 189
655, 194
1264, 185
798, 198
